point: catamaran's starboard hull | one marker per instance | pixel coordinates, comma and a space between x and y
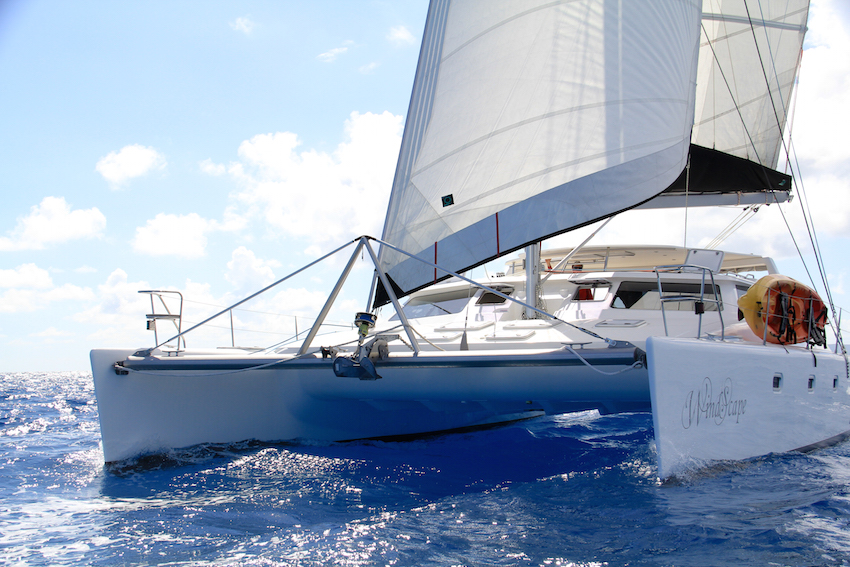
174, 402
715, 401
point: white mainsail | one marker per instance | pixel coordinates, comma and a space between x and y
530, 118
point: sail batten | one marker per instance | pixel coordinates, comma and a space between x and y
758, 22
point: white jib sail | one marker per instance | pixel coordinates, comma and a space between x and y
749, 56
532, 117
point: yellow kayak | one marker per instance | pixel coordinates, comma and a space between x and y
791, 311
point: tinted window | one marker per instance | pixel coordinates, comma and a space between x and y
644, 295
490, 298
436, 304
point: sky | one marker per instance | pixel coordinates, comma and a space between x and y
214, 147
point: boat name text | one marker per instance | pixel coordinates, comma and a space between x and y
701, 405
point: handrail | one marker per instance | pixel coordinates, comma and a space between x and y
153, 316
362, 243
253, 295
699, 305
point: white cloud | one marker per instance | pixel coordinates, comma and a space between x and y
247, 272
331, 55
51, 222
823, 87
400, 35
30, 288
367, 69
822, 117
129, 162
184, 236
119, 313
302, 302
233, 221
27, 300
26, 276
174, 235
244, 25
210, 168
52, 333
85, 270
271, 154
313, 194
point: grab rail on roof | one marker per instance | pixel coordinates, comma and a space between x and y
699, 304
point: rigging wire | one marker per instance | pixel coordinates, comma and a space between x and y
746, 214
804, 205
813, 236
687, 188
272, 313
804, 202
806, 211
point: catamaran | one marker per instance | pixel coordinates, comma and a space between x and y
528, 120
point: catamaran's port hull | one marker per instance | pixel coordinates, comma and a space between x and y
173, 402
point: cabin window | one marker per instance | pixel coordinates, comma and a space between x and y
644, 295
834, 382
811, 383
777, 382
741, 290
490, 298
595, 292
435, 304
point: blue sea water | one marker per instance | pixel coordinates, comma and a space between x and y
573, 490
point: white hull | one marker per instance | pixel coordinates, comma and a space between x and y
717, 401
182, 401
710, 400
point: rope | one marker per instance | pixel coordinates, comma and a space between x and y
224, 373
500, 294
803, 199
745, 215
634, 366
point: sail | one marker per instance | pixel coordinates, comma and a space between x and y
748, 62
749, 57
532, 117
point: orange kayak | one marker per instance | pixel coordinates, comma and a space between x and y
791, 311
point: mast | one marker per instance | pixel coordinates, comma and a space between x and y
532, 280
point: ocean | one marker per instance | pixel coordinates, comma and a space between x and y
578, 490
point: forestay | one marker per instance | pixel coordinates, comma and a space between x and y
530, 118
